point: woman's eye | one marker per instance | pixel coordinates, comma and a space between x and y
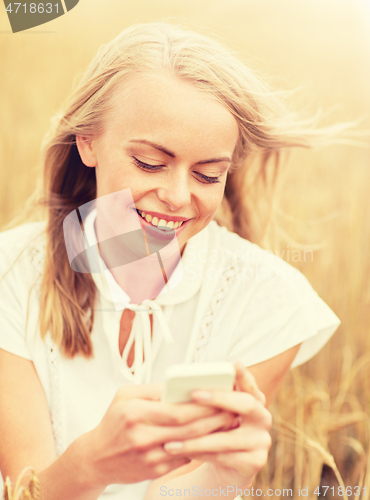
141, 164
146, 166
210, 180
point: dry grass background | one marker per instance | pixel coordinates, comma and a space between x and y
322, 425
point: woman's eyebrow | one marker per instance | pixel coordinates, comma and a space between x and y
172, 155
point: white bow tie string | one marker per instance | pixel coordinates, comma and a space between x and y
141, 335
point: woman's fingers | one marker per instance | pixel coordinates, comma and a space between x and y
200, 427
241, 403
236, 465
148, 435
157, 455
242, 439
160, 413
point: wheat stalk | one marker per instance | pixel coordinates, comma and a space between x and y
31, 492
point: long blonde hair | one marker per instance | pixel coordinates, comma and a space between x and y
266, 128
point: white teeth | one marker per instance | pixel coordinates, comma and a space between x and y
156, 222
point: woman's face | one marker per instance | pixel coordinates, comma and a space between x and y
171, 145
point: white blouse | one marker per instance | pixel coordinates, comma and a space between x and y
235, 301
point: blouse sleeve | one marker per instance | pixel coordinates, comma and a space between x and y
280, 314
12, 310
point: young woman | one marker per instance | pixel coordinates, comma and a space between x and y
164, 129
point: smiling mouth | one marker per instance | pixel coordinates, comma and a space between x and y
159, 223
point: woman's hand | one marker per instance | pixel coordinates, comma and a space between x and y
127, 445
235, 456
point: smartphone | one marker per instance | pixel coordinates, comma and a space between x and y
182, 379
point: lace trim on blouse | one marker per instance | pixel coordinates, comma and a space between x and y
210, 315
55, 393
52, 357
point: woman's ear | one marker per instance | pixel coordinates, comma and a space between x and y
84, 146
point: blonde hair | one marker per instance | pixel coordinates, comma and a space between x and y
266, 128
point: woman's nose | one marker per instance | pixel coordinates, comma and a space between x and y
175, 192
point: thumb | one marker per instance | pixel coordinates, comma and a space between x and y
246, 382
144, 391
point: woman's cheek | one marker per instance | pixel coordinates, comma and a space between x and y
214, 201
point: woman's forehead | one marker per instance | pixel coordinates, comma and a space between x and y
163, 103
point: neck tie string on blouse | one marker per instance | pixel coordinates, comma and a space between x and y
141, 329
141, 335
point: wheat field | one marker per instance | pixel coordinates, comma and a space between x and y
321, 427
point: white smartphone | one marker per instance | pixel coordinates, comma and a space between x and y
182, 379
